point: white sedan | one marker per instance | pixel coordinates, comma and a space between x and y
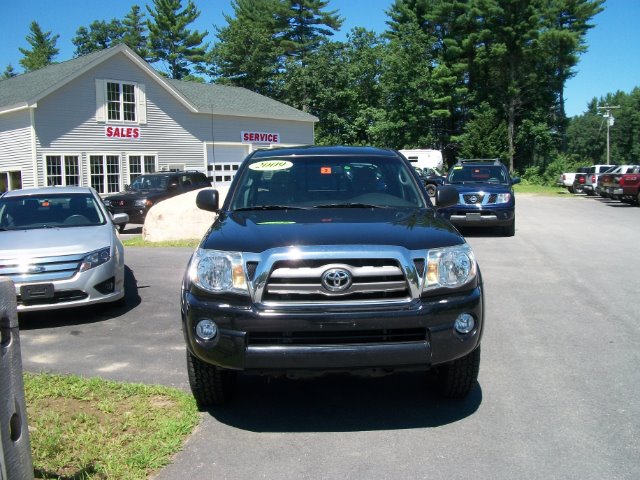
60, 247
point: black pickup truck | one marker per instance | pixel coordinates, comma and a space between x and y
330, 259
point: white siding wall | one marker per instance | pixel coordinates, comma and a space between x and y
66, 123
15, 145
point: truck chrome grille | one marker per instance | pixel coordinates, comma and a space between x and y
302, 281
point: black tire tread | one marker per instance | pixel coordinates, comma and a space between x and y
458, 378
209, 384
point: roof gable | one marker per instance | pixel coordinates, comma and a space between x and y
26, 90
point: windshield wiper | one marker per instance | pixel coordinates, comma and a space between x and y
269, 207
349, 205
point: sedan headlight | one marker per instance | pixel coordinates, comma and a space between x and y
503, 198
449, 267
94, 259
218, 272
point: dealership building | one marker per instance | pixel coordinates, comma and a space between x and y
102, 119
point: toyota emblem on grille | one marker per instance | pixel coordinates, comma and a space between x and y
336, 279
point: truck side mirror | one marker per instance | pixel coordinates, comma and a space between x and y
208, 199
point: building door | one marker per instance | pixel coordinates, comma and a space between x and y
223, 162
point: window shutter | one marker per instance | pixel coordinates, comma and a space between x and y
142, 104
100, 101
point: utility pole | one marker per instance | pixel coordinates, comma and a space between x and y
609, 118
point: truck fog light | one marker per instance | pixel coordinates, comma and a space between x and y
465, 323
206, 329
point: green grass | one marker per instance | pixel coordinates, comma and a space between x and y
139, 242
97, 429
541, 190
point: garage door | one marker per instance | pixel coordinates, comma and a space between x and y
223, 162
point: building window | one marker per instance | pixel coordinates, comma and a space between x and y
224, 172
141, 164
104, 172
62, 170
121, 101
10, 180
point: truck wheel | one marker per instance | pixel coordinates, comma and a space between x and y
431, 190
510, 230
571, 190
457, 379
209, 384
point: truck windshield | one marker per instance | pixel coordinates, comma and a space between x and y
477, 173
326, 182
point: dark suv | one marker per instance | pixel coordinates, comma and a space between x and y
330, 259
486, 195
151, 188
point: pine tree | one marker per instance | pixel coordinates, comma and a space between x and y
9, 72
170, 41
134, 32
99, 36
43, 49
247, 53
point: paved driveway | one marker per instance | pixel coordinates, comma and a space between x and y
559, 385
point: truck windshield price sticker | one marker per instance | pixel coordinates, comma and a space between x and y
271, 165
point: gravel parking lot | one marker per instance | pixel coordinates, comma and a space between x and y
559, 384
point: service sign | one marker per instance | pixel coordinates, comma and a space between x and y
260, 137
122, 132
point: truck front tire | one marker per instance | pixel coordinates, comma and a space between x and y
457, 379
209, 384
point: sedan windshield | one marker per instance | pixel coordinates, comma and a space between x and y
326, 182
49, 211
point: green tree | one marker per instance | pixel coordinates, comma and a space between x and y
43, 49
412, 104
344, 88
134, 32
303, 26
99, 36
170, 41
9, 72
247, 53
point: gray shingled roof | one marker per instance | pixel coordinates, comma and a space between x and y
28, 87
226, 100
206, 98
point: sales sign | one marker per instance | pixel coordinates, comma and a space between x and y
122, 132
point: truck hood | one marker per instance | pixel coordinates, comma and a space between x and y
44, 242
471, 187
256, 231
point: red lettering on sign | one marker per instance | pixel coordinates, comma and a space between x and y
122, 132
260, 137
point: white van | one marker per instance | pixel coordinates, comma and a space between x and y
424, 158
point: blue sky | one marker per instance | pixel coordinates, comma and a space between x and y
612, 62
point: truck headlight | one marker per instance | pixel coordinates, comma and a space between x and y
503, 198
218, 272
449, 267
142, 203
